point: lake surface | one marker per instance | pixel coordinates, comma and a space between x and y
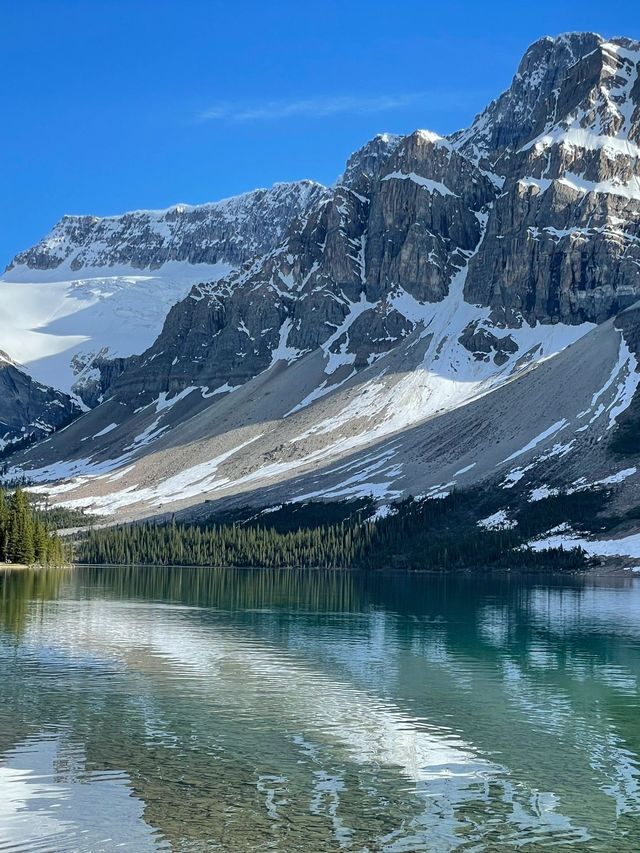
196, 709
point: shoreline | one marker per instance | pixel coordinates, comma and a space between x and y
9, 567
600, 571
613, 568
36, 567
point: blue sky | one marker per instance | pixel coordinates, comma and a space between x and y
110, 105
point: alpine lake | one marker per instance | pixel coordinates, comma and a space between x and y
169, 709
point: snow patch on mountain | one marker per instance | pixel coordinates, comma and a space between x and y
498, 521
449, 375
629, 189
552, 430
55, 323
626, 546
427, 183
622, 383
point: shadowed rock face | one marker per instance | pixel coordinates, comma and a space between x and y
555, 75
365, 165
564, 144
29, 410
424, 219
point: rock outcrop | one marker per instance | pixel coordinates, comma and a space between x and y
29, 411
563, 146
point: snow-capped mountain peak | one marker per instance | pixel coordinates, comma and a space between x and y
411, 330
97, 289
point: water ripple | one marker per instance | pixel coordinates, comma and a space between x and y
254, 711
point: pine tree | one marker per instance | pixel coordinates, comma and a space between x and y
21, 529
4, 518
40, 543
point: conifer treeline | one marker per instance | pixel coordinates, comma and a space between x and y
24, 537
438, 534
225, 545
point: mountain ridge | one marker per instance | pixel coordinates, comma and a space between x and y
433, 280
202, 233
96, 290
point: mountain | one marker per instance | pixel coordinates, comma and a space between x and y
28, 410
563, 145
228, 232
454, 311
95, 290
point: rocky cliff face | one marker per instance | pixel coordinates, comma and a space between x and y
228, 231
365, 164
28, 410
344, 280
563, 146
536, 206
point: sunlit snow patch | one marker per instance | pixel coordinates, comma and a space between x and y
498, 521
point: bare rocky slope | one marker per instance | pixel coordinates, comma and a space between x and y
453, 311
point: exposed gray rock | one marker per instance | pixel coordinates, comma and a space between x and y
229, 231
425, 218
563, 143
366, 164
482, 343
555, 75
28, 410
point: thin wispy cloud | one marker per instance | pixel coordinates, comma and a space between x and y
311, 107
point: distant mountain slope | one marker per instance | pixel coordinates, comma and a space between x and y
222, 232
406, 424
98, 289
451, 312
29, 410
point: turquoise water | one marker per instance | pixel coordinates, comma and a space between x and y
196, 710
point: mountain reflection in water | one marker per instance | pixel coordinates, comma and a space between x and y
201, 709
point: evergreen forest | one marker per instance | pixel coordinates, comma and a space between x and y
429, 534
25, 535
